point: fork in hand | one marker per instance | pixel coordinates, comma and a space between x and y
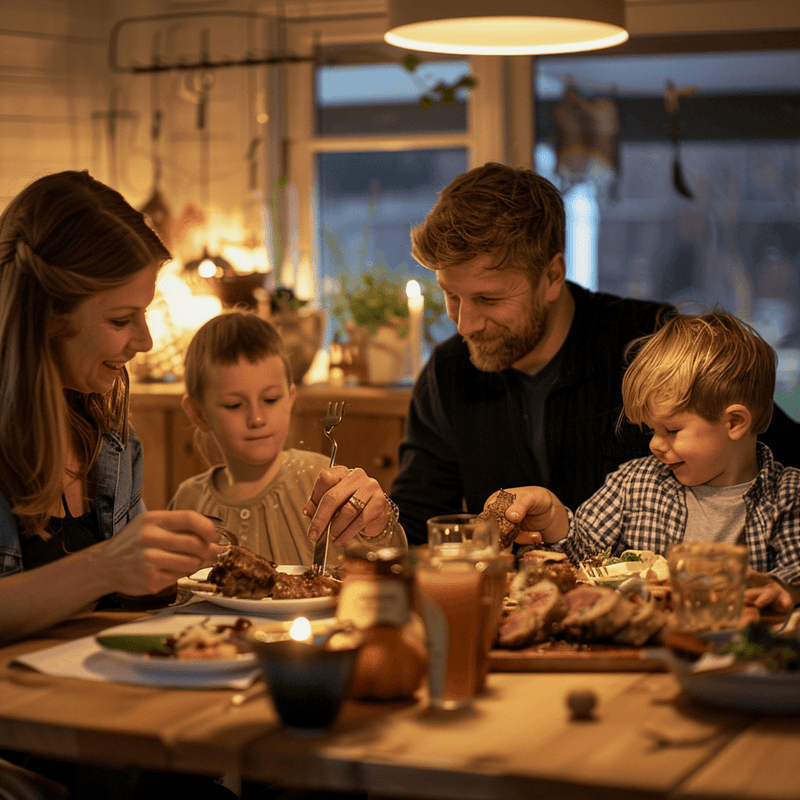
329, 422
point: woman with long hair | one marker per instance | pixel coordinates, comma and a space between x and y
78, 267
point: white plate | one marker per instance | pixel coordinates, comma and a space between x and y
122, 647
267, 605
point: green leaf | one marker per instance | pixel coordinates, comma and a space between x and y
411, 62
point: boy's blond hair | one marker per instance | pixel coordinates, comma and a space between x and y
702, 364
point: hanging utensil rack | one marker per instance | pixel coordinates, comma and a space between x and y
203, 60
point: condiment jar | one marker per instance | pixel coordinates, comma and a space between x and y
376, 598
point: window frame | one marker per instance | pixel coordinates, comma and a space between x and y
499, 119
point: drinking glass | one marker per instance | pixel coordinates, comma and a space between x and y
451, 598
453, 532
708, 582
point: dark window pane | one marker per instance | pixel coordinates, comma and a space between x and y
363, 99
635, 232
368, 202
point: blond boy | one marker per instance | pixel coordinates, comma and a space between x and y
703, 386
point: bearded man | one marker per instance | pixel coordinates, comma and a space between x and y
528, 392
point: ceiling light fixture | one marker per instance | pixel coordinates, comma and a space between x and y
506, 27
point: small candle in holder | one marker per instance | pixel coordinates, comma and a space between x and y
308, 679
416, 309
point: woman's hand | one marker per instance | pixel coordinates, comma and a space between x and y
157, 548
351, 502
541, 516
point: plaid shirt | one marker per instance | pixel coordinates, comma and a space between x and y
642, 506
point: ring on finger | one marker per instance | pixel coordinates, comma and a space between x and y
357, 504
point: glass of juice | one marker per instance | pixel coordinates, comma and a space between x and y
451, 596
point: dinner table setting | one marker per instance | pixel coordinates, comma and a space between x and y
279, 690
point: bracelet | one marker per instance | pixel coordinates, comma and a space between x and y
394, 515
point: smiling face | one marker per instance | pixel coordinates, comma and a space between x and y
700, 452
501, 317
247, 408
103, 333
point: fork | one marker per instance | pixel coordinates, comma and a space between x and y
329, 422
594, 572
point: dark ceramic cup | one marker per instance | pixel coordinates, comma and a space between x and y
308, 682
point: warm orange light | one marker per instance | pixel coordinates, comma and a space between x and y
506, 27
300, 630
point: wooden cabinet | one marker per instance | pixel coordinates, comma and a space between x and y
368, 436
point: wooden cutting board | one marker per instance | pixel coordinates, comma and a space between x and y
568, 657
556, 657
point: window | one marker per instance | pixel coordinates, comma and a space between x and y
605, 138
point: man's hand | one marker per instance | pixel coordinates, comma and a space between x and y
541, 516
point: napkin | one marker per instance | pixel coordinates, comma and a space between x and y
85, 658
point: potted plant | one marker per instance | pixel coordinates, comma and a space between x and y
372, 314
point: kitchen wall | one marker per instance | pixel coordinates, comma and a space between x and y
64, 108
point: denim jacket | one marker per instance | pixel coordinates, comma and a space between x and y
118, 497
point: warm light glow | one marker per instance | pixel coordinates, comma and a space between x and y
414, 295
506, 36
207, 268
300, 630
416, 306
197, 310
187, 311
506, 27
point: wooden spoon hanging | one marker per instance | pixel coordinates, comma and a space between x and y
671, 98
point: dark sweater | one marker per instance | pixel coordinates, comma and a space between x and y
467, 435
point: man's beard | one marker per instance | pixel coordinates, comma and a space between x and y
496, 352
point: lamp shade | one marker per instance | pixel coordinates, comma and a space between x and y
506, 27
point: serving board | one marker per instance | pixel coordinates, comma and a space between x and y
555, 657
566, 657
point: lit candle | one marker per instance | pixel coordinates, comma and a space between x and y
300, 630
416, 304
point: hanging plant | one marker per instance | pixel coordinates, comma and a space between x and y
442, 93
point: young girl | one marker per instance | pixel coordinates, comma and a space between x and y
239, 395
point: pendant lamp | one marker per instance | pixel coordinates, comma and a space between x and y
506, 27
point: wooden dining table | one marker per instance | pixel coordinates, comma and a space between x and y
645, 738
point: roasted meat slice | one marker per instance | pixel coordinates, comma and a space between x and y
534, 618
596, 612
296, 587
239, 572
536, 565
647, 620
497, 511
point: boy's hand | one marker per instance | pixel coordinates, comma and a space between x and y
771, 594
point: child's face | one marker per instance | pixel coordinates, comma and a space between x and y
697, 451
247, 407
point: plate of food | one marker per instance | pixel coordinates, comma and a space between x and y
245, 582
752, 670
609, 570
199, 648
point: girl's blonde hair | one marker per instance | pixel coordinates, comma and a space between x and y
223, 341
702, 364
63, 239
